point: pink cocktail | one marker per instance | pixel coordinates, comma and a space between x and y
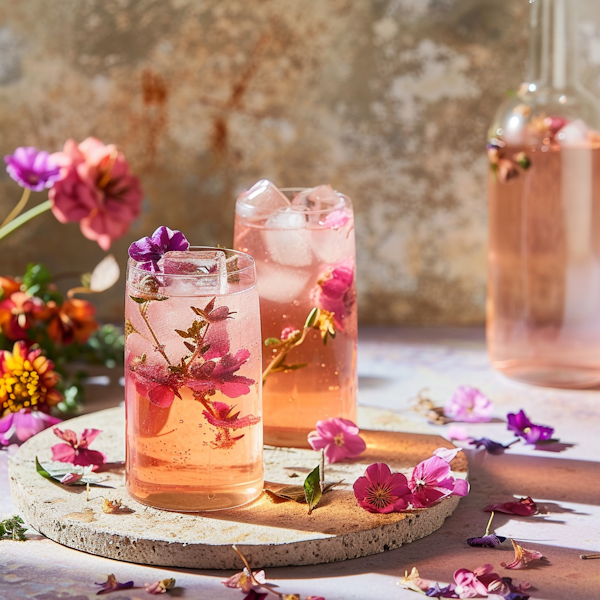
305, 259
193, 381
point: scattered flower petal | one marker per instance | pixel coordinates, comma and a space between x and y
159, 587
457, 432
523, 557
520, 424
491, 446
436, 591
254, 595
338, 437
414, 582
468, 405
525, 507
244, 581
487, 541
149, 250
468, 584
447, 454
112, 585
76, 451
381, 491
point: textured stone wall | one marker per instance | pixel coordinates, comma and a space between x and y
388, 100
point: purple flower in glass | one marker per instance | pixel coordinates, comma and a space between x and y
32, 168
149, 250
532, 434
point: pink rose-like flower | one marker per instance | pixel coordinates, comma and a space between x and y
18, 427
335, 292
76, 451
381, 491
468, 584
469, 405
336, 219
338, 437
432, 480
96, 189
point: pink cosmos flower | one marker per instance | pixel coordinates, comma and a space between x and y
432, 480
244, 581
469, 405
381, 491
336, 219
522, 557
223, 417
335, 291
157, 384
77, 451
468, 584
96, 189
339, 437
212, 376
18, 427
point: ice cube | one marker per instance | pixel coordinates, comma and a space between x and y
202, 271
280, 284
262, 195
573, 134
287, 239
321, 197
331, 245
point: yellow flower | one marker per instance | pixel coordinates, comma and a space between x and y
325, 324
27, 380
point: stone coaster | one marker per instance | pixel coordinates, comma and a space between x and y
269, 534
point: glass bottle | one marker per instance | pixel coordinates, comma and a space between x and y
543, 302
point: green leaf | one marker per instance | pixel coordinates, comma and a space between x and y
57, 474
139, 300
312, 318
13, 529
272, 341
289, 492
36, 278
312, 488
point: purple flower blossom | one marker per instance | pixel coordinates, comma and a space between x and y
32, 168
532, 434
112, 585
491, 446
436, 591
469, 405
149, 250
18, 427
487, 541
339, 437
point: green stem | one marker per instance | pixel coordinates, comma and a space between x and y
280, 357
159, 346
18, 208
21, 219
487, 529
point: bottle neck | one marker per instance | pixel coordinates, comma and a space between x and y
553, 47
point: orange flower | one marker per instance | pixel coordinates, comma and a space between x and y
9, 286
73, 321
27, 380
17, 313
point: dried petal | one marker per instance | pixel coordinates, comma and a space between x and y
112, 585
525, 507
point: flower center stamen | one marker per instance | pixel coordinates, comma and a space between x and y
339, 439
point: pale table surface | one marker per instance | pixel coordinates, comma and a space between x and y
394, 364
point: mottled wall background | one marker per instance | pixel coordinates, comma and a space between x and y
388, 100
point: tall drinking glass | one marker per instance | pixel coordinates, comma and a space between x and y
193, 381
303, 245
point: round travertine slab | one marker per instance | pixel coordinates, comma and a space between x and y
268, 533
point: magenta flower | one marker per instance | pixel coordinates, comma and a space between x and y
490, 540
149, 250
381, 491
112, 585
468, 584
77, 451
432, 480
254, 595
32, 168
532, 434
338, 437
469, 405
212, 376
244, 581
525, 507
223, 417
336, 219
157, 384
97, 189
335, 291
18, 427
522, 557
491, 446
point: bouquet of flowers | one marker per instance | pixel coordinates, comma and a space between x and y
41, 330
